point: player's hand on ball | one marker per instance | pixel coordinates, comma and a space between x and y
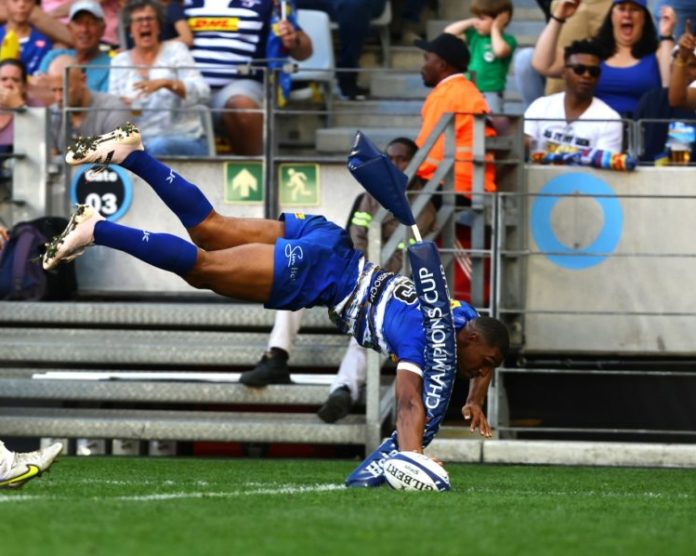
474, 413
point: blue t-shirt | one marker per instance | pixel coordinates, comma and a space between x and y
32, 49
97, 70
622, 88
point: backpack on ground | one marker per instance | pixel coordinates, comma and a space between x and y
22, 276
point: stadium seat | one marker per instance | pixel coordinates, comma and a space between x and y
382, 23
320, 66
208, 129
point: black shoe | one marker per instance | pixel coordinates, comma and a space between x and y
270, 370
337, 406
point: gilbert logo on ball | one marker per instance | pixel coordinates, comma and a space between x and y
415, 472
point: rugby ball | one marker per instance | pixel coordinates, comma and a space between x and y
414, 471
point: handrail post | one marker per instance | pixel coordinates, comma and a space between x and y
478, 205
30, 172
373, 433
271, 205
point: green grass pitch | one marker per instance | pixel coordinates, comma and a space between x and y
149, 506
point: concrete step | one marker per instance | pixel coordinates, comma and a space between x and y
128, 388
340, 139
452, 11
372, 113
68, 346
398, 86
214, 426
190, 316
406, 58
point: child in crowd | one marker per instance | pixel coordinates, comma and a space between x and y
491, 48
33, 45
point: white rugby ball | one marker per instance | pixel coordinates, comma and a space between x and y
414, 471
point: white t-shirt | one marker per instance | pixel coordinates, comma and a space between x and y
581, 134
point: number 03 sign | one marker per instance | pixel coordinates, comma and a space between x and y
110, 191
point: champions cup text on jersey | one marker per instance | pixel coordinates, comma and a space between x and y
315, 264
227, 33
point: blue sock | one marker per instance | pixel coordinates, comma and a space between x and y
164, 251
182, 197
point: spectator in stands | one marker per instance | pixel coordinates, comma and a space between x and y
97, 112
33, 45
246, 258
175, 25
87, 29
684, 9
13, 96
584, 25
633, 60
347, 386
60, 9
47, 25
445, 61
228, 37
491, 48
574, 120
681, 93
176, 28
17, 468
353, 18
160, 83
656, 105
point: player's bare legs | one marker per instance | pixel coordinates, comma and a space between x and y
222, 232
243, 272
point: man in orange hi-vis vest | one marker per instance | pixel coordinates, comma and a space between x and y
446, 58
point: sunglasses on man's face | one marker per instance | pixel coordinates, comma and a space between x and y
581, 69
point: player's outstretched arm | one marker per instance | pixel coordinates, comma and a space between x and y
410, 414
473, 408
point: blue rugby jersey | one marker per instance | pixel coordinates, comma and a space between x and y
228, 33
382, 313
32, 48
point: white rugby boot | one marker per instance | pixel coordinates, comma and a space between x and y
25, 466
77, 236
112, 147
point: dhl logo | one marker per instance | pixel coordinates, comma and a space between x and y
213, 24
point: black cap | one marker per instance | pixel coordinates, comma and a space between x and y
450, 48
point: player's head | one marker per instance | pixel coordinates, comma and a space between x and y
482, 343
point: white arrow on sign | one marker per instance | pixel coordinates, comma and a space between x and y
243, 182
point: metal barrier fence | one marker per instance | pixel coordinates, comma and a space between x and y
501, 219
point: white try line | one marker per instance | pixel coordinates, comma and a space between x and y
283, 490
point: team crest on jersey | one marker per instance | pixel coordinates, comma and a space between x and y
299, 215
198, 24
406, 293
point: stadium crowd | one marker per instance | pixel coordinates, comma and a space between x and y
170, 62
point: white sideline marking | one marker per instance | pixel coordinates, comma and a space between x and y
579, 493
283, 489
289, 489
